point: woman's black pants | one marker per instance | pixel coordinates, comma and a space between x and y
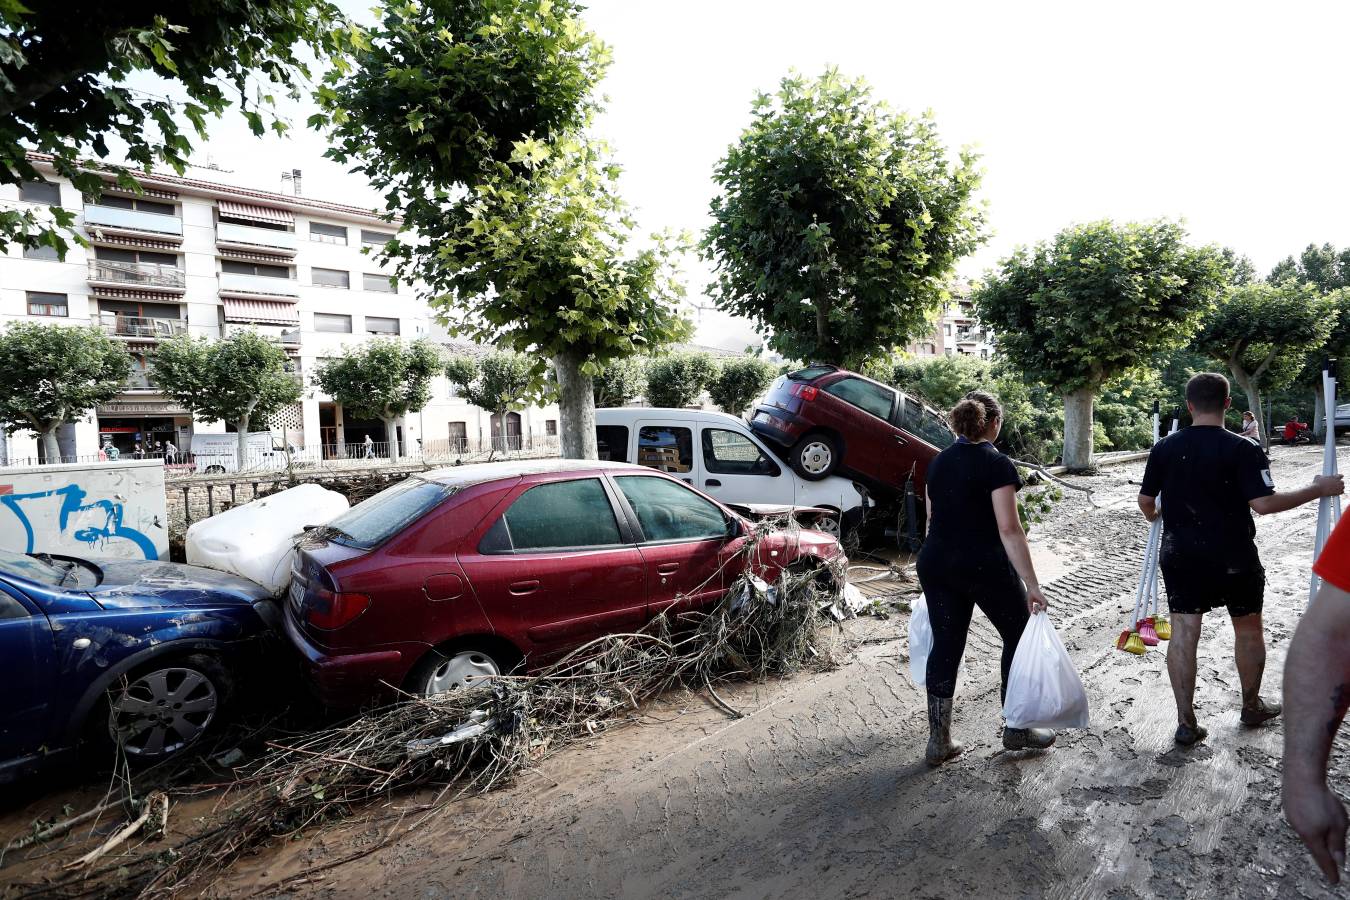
952, 595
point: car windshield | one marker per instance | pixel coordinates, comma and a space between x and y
373, 521
43, 568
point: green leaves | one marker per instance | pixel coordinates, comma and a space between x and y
56, 373
499, 382
739, 382
679, 379
381, 379
242, 377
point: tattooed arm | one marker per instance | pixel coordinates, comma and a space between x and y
1316, 694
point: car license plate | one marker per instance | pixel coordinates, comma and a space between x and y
296, 594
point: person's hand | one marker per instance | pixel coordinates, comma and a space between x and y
1330, 485
1319, 818
1036, 601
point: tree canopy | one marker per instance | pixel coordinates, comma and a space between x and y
54, 374
242, 379
620, 382
1324, 266
1094, 302
382, 379
499, 382
739, 382
63, 84
679, 379
839, 220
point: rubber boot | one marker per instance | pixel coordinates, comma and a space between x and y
941, 747
1027, 738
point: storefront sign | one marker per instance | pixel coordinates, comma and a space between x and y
142, 408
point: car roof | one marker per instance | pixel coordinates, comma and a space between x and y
633, 413
479, 473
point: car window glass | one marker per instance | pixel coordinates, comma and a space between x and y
872, 398
729, 453
936, 431
611, 442
669, 511
810, 373
11, 608
666, 449
562, 514
378, 518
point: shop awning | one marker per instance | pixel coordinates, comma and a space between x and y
251, 213
261, 312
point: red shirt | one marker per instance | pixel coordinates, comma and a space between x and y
1334, 564
1293, 428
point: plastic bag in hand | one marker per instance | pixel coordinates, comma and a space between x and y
1044, 690
920, 641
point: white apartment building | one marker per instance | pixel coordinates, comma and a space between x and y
207, 258
957, 332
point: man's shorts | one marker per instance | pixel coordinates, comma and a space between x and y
1192, 593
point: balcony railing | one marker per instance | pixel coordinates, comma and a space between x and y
248, 236
132, 220
140, 326
139, 381
261, 285
137, 274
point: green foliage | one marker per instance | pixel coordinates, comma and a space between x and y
498, 382
53, 374
381, 379
679, 379
64, 69
241, 379
1095, 301
740, 382
1036, 500
1324, 266
839, 220
620, 382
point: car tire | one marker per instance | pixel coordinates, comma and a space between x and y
161, 709
454, 668
815, 457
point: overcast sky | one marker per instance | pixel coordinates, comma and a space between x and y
1230, 116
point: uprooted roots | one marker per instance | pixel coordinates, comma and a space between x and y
477, 739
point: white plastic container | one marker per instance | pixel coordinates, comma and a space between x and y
257, 540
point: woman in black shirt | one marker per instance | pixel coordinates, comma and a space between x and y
975, 554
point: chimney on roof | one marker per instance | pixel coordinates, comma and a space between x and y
293, 176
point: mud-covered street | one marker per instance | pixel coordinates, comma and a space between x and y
820, 789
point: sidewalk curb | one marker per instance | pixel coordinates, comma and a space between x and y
1105, 461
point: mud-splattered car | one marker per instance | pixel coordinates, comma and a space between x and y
141, 654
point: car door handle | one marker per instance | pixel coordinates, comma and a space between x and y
712, 482
667, 568
524, 587
900, 440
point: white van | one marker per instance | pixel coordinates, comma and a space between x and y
719, 455
214, 454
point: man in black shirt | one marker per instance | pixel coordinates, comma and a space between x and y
1210, 481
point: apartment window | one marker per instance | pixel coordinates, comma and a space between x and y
42, 304
375, 238
381, 325
327, 234
112, 254
334, 278
332, 323
42, 251
140, 204
373, 281
41, 192
240, 267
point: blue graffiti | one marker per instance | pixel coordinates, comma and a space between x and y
72, 503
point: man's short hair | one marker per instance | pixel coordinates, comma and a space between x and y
1207, 392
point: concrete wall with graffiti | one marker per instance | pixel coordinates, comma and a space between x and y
111, 510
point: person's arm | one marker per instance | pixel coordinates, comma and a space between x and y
1015, 544
928, 512
1148, 506
1316, 694
1322, 486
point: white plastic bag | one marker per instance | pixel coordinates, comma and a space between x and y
920, 641
1044, 690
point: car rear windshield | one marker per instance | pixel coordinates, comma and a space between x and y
375, 520
810, 373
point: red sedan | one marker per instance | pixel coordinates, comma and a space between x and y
475, 570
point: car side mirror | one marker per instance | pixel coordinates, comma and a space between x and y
734, 529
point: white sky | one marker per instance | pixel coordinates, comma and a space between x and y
1228, 115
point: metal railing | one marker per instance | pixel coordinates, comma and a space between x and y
139, 274
140, 326
139, 381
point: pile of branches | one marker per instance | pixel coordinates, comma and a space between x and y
479, 738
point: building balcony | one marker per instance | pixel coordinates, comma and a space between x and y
246, 237
234, 284
139, 381
131, 221
140, 327
145, 276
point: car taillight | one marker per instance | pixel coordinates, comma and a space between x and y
327, 608
806, 391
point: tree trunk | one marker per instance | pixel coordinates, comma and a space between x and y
1319, 407
241, 426
1078, 430
1252, 389
576, 406
49, 445
391, 436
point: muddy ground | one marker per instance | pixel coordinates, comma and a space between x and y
820, 790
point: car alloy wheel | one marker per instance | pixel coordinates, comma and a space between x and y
459, 671
162, 711
816, 457
828, 524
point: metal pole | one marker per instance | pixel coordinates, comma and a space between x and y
1328, 508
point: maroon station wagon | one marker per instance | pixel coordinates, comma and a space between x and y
474, 570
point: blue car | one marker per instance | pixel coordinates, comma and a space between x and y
141, 654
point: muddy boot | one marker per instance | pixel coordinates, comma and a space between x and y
1027, 738
1190, 734
941, 747
1260, 712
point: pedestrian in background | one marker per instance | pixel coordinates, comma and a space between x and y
370, 448
1316, 695
1211, 481
975, 554
170, 453
1249, 429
